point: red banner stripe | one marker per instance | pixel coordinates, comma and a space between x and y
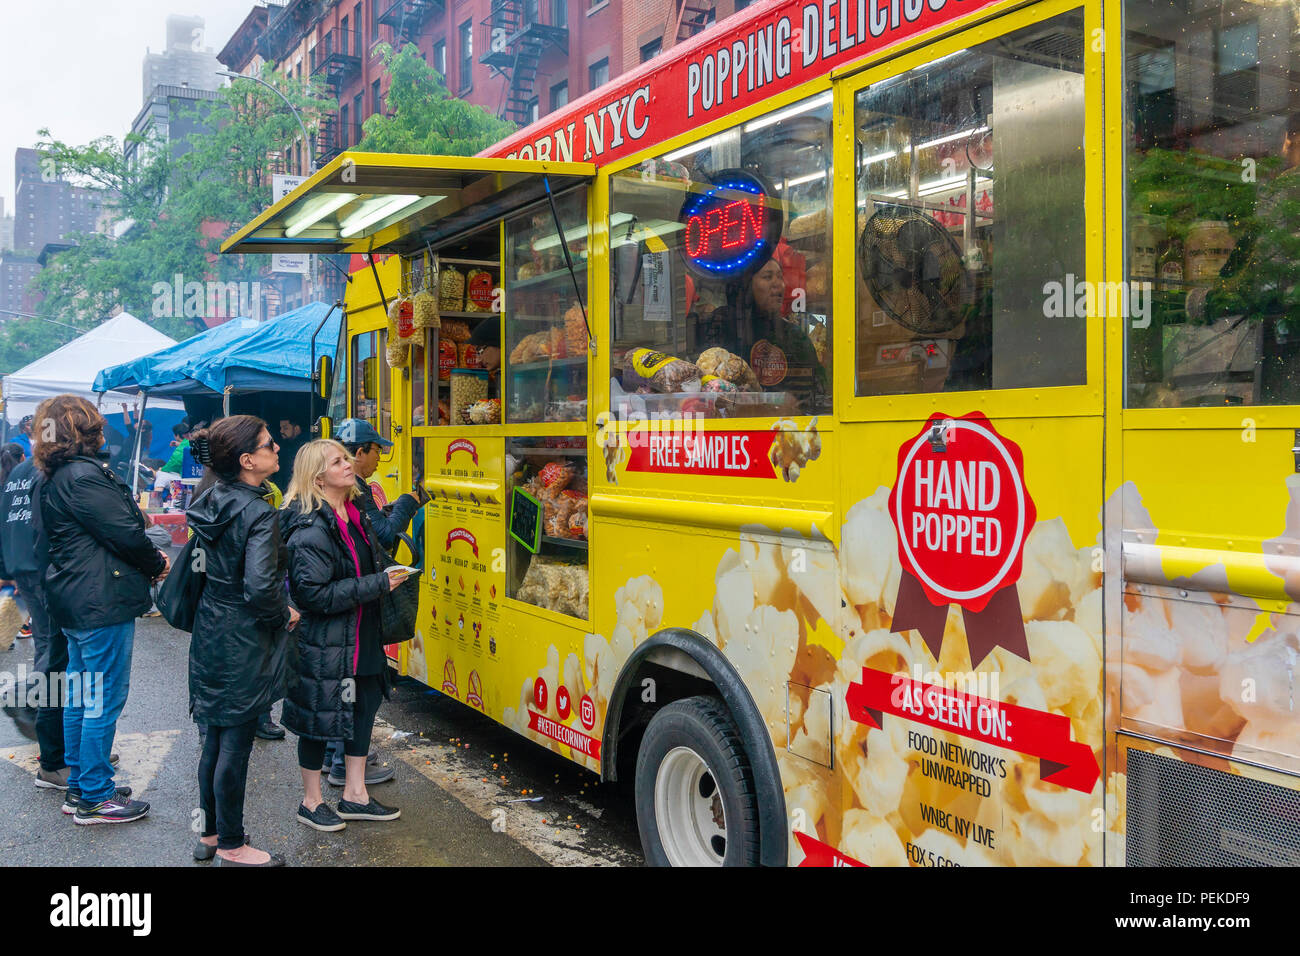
1064, 762
562, 733
738, 454
817, 853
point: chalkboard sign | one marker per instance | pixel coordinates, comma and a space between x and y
526, 520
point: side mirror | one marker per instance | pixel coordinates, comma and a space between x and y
324, 427
324, 376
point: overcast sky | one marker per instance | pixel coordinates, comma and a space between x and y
75, 66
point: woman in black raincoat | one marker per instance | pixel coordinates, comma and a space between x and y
237, 652
351, 607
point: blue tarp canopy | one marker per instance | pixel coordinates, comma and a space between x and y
241, 354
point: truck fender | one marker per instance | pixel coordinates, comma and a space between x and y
667, 647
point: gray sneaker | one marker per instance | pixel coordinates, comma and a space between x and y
53, 779
374, 775
72, 798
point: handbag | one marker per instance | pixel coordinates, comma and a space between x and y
178, 595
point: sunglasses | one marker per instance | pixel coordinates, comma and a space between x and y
269, 444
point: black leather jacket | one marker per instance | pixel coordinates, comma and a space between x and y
101, 563
237, 652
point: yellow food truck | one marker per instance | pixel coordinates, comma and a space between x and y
998, 568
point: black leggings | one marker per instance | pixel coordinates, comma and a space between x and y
223, 771
370, 692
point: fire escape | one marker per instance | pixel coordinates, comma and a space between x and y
337, 61
408, 17
515, 35
686, 18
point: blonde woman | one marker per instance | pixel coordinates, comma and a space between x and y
351, 607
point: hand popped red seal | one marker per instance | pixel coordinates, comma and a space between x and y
962, 512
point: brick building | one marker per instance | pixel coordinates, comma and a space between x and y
518, 59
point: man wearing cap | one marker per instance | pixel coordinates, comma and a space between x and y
365, 444
486, 339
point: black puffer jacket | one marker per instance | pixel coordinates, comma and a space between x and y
239, 644
101, 563
325, 588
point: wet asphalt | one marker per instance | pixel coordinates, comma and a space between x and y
457, 808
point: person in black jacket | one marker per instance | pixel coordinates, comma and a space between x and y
237, 651
97, 584
24, 554
365, 445
351, 606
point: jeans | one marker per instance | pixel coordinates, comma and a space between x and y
223, 773
51, 661
99, 677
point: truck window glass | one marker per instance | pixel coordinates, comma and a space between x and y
370, 381
969, 225
545, 356
1212, 154
720, 272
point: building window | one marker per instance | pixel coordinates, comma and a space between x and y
374, 20
533, 110
559, 95
344, 36
560, 13
440, 58
344, 116
376, 101
358, 108
358, 21
598, 74
466, 36
651, 49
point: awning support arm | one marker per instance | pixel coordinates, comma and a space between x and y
337, 268
568, 261
378, 285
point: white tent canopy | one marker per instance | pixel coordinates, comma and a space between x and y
72, 368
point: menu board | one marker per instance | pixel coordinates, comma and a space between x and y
526, 520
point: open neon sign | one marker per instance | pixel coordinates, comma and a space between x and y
725, 233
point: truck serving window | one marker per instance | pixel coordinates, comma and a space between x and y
721, 254
370, 381
970, 219
1212, 142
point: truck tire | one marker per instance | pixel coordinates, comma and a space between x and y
695, 800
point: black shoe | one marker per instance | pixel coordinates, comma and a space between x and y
72, 798
204, 852
322, 818
25, 630
24, 719
270, 731
374, 775
372, 760
276, 860
374, 810
110, 811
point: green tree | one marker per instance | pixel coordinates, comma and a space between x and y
425, 117
172, 214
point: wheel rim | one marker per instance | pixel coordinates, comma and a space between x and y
688, 810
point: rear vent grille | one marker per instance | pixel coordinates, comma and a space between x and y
1181, 814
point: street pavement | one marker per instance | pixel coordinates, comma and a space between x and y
457, 808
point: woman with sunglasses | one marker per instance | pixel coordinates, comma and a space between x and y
237, 652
